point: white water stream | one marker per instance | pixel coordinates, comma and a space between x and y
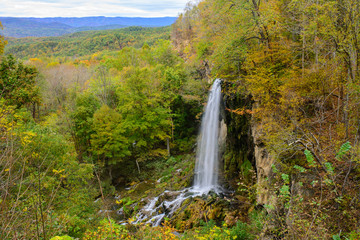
206, 167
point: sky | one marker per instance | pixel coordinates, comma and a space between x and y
84, 8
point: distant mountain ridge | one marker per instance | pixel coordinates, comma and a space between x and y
45, 27
85, 43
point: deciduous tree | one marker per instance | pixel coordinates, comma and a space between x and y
18, 83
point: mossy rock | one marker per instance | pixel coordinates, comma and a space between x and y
232, 217
189, 214
215, 213
197, 210
141, 187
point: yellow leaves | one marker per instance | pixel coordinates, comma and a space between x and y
270, 16
5, 112
53, 64
108, 230
26, 138
58, 171
215, 232
34, 155
50, 120
131, 220
35, 60
94, 56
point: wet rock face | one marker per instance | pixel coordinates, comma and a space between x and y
244, 145
239, 140
222, 137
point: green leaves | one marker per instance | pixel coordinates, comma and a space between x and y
300, 169
17, 83
285, 178
82, 116
329, 167
285, 191
146, 117
46, 173
343, 150
108, 140
310, 158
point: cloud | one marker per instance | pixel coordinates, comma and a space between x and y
83, 8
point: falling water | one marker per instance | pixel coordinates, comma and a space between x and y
206, 168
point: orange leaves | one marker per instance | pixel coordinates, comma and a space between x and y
240, 111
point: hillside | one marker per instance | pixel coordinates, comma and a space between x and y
44, 27
84, 43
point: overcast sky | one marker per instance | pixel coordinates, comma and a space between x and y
83, 8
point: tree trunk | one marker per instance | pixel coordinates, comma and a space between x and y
137, 164
168, 146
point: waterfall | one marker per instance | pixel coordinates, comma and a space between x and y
206, 168
207, 158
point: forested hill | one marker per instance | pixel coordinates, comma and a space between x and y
43, 27
84, 43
